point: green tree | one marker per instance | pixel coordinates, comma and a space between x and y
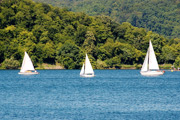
10, 63
88, 44
80, 33
49, 53
177, 62
70, 55
169, 54
114, 62
2, 50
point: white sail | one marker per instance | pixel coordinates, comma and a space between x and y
27, 63
88, 67
82, 70
150, 63
153, 64
145, 64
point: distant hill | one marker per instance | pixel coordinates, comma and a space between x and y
161, 16
53, 35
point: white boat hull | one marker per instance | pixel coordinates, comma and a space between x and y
152, 73
28, 73
87, 75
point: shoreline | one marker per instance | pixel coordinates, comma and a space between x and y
57, 66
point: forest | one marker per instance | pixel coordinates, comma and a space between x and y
56, 35
160, 16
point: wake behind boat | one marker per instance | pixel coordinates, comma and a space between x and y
27, 67
87, 70
150, 66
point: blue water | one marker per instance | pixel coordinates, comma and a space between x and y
110, 95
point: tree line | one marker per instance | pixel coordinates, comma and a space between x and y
160, 16
50, 34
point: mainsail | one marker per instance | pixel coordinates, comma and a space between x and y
150, 62
88, 67
27, 63
153, 64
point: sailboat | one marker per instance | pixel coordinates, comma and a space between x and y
27, 67
150, 66
87, 70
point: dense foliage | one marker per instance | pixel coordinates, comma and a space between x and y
10, 64
51, 35
160, 16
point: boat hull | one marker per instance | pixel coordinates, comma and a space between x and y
28, 73
87, 75
152, 73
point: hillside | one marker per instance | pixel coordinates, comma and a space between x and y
53, 35
160, 16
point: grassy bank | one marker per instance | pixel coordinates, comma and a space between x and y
165, 66
49, 66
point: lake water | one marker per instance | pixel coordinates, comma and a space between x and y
110, 95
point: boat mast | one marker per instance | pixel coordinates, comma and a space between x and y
148, 59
